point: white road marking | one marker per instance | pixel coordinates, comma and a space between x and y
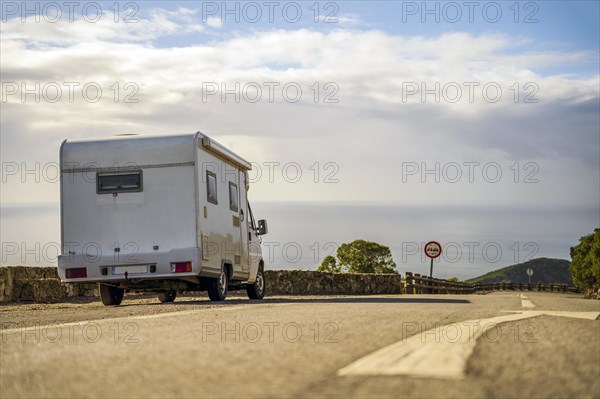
525, 302
559, 313
441, 352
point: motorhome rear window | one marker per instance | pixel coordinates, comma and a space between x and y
108, 183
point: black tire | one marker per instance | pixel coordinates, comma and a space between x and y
111, 295
167, 296
256, 290
218, 287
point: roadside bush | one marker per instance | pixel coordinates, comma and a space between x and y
585, 261
360, 256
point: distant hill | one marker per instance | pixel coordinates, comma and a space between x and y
544, 271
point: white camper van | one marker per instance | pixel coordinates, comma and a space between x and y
158, 213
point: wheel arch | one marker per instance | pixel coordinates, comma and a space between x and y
228, 265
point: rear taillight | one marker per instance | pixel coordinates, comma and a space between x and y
181, 267
78, 272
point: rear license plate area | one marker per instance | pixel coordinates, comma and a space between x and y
136, 269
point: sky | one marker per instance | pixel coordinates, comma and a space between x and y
475, 124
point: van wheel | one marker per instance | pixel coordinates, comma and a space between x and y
257, 289
167, 296
217, 287
111, 295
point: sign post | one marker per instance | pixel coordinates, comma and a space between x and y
432, 249
529, 273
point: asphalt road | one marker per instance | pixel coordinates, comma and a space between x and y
458, 346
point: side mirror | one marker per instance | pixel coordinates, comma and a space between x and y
262, 227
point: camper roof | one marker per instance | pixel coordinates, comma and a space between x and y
139, 151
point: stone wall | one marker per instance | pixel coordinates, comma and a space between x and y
41, 284
594, 292
290, 282
38, 284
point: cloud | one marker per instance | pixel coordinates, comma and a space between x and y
214, 22
396, 101
345, 19
129, 28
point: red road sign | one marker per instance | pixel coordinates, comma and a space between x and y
433, 249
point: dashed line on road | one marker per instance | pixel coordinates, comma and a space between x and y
525, 302
445, 358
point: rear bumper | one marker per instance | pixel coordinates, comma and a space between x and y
110, 268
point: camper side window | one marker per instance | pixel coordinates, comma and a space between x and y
233, 197
211, 187
110, 183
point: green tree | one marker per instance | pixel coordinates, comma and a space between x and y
330, 265
454, 279
585, 260
360, 256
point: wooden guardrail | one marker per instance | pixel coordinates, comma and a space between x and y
551, 287
418, 284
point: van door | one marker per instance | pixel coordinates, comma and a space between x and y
244, 219
254, 251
